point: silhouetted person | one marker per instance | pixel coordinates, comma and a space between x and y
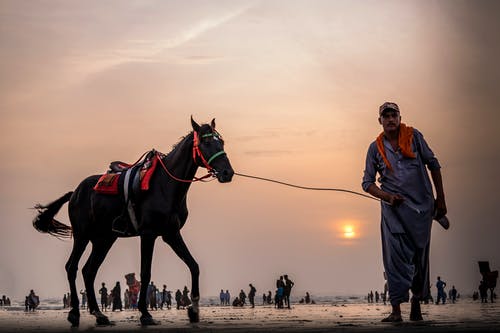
483, 291
280, 290
126, 299
169, 299
152, 296
33, 301
243, 297
186, 300
288, 290
178, 299
104, 296
237, 302
163, 296
251, 295
117, 297
441, 295
453, 294
307, 298
84, 298
222, 297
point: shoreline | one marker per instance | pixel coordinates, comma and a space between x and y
458, 317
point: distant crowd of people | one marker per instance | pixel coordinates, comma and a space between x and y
4, 301
112, 300
482, 293
160, 299
281, 298
155, 299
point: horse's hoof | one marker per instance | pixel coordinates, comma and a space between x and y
74, 318
103, 321
194, 317
149, 321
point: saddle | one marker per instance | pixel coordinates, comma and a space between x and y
146, 165
130, 180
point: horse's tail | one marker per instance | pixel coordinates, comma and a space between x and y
45, 222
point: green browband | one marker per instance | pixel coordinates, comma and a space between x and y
210, 134
214, 156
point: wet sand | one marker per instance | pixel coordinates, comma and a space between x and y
464, 316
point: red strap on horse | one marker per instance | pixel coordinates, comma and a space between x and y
197, 152
179, 179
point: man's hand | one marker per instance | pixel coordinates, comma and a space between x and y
394, 199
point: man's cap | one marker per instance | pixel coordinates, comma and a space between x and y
388, 106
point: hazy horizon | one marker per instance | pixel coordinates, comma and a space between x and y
295, 89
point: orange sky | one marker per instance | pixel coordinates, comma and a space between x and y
294, 89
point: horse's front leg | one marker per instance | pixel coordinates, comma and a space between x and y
177, 244
147, 246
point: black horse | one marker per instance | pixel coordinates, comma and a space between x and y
161, 211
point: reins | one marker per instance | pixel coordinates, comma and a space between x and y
306, 187
195, 179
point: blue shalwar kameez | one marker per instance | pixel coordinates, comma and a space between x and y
405, 229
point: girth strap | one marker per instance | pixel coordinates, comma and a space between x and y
128, 202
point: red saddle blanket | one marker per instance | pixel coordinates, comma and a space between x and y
108, 183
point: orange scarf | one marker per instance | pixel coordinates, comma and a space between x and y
405, 139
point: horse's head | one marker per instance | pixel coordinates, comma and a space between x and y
209, 151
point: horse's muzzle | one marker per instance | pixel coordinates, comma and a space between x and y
225, 175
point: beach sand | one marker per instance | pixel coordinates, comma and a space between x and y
463, 316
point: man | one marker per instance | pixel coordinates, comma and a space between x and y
401, 156
104, 296
288, 289
441, 295
453, 294
251, 295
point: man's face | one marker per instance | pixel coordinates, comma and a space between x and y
390, 120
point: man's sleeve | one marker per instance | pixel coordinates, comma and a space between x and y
370, 168
426, 153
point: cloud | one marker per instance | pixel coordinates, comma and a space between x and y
151, 49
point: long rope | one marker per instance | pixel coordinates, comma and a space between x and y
306, 187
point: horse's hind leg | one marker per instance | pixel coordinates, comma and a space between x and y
177, 244
100, 248
79, 246
147, 247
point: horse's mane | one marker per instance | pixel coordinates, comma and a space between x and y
181, 140
175, 147
184, 138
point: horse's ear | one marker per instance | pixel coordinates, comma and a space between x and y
195, 125
213, 123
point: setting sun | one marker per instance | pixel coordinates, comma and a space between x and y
349, 232
347, 229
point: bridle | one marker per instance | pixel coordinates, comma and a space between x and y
197, 151
197, 154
